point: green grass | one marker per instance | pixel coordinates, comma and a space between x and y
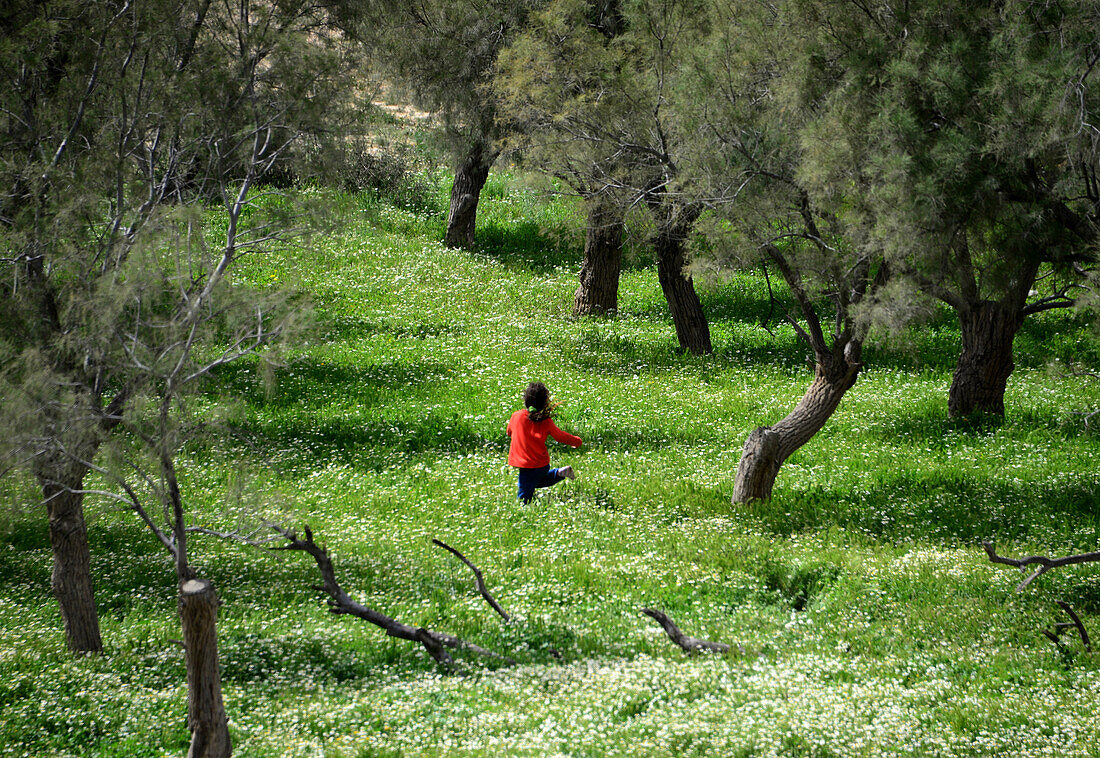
870, 619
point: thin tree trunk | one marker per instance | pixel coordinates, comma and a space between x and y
985, 362
598, 292
72, 574
692, 329
206, 715
470, 177
767, 447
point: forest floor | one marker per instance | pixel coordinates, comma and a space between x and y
863, 613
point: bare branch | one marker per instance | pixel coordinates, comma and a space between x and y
477, 576
247, 538
688, 644
1077, 623
1044, 563
342, 603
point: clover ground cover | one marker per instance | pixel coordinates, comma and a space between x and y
870, 620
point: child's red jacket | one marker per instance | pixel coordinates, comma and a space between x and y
528, 449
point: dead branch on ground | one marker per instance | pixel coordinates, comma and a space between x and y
688, 644
477, 576
436, 643
1055, 636
1044, 563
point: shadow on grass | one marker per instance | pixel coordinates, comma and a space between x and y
525, 246
371, 445
339, 326
942, 507
927, 422
312, 383
1061, 335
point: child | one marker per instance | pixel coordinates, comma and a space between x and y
529, 428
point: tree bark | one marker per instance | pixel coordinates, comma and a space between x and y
71, 578
470, 177
198, 604
598, 292
985, 361
767, 447
692, 329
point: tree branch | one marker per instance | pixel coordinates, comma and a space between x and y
688, 644
1077, 623
342, 603
477, 576
814, 336
1044, 563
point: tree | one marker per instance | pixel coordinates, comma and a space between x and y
184, 320
930, 144
443, 53
542, 80
961, 134
592, 85
746, 112
115, 118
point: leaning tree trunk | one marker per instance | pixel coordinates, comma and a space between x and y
598, 292
470, 177
198, 605
692, 329
767, 447
985, 362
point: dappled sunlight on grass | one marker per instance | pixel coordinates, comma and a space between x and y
870, 619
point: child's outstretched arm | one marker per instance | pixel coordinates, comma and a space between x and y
564, 438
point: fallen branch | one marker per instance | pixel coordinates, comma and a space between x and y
477, 576
341, 603
1076, 623
689, 644
1045, 564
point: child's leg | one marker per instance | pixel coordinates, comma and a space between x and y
531, 479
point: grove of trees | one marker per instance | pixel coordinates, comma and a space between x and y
877, 156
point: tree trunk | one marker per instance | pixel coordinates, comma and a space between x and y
598, 292
692, 329
206, 715
72, 573
767, 447
985, 362
470, 177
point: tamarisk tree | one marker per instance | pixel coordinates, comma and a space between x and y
593, 86
962, 135
765, 214
442, 53
117, 120
545, 100
184, 320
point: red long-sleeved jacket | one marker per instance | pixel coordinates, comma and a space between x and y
528, 448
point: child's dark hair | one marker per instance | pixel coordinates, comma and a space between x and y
536, 398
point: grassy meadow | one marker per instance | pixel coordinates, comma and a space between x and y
864, 615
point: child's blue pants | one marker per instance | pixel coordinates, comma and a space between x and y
531, 479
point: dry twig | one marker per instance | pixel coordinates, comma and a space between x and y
1044, 563
477, 576
341, 603
689, 644
1084, 635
